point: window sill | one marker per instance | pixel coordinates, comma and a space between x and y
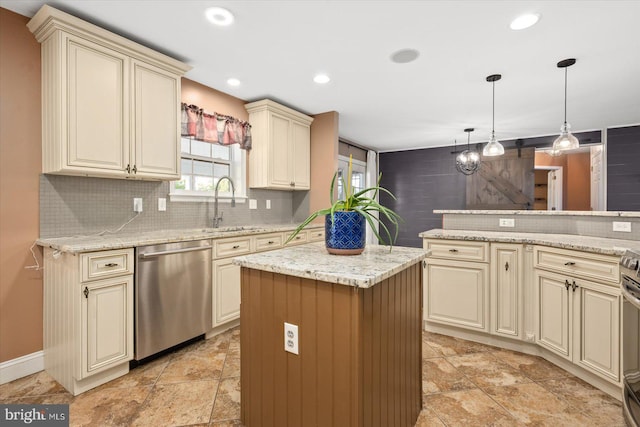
178, 197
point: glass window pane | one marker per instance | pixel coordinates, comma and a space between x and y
220, 170
357, 180
185, 166
202, 168
185, 144
221, 151
203, 183
183, 183
199, 148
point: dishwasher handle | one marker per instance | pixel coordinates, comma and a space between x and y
176, 251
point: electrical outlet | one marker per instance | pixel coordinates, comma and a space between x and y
507, 222
162, 204
268, 204
290, 338
622, 226
137, 204
253, 204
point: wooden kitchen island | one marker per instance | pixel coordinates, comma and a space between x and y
359, 324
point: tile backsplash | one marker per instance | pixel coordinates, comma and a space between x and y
72, 206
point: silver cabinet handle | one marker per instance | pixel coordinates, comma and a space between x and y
177, 251
453, 250
569, 263
111, 264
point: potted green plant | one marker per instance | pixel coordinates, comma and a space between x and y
346, 219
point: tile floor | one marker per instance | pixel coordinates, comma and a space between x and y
464, 384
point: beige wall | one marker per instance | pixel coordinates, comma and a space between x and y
213, 101
20, 165
324, 159
576, 178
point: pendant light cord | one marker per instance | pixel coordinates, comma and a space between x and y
565, 95
493, 109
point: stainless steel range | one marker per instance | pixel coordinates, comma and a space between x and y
630, 285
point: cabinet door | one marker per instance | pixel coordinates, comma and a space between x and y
97, 109
554, 319
300, 165
107, 324
155, 150
456, 293
506, 290
281, 154
226, 291
597, 327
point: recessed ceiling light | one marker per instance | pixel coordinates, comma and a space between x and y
525, 21
321, 79
233, 82
405, 55
219, 16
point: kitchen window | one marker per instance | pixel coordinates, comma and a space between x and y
202, 164
358, 171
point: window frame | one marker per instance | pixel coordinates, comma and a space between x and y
237, 171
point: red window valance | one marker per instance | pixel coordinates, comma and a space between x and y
214, 128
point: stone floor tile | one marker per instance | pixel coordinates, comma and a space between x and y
533, 367
107, 406
469, 408
428, 418
193, 366
227, 404
439, 375
142, 375
36, 384
232, 363
450, 346
487, 371
178, 404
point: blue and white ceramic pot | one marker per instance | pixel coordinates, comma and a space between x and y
346, 234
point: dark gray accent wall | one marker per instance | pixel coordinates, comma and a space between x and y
421, 180
623, 169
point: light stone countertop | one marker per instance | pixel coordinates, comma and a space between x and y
599, 245
312, 261
95, 242
544, 213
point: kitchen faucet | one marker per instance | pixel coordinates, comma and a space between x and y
216, 218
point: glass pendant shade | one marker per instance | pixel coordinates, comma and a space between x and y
493, 147
468, 161
566, 141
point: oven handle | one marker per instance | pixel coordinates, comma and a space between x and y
625, 292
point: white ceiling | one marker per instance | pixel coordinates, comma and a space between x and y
276, 47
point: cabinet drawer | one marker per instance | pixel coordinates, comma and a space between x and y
267, 242
316, 235
232, 247
100, 265
578, 264
301, 237
458, 250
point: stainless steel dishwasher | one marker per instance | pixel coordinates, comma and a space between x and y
172, 295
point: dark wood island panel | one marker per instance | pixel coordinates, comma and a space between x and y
359, 361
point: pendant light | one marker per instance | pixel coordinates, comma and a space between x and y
493, 147
565, 141
468, 161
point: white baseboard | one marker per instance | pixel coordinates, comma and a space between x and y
21, 366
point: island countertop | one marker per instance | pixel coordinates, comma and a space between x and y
312, 261
598, 245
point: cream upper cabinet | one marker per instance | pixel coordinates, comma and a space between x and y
110, 107
281, 144
507, 314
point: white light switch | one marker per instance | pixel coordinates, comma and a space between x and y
137, 204
622, 226
291, 338
507, 222
162, 204
268, 204
253, 204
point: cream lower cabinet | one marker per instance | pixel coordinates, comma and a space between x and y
110, 107
580, 321
507, 311
456, 280
88, 317
226, 291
